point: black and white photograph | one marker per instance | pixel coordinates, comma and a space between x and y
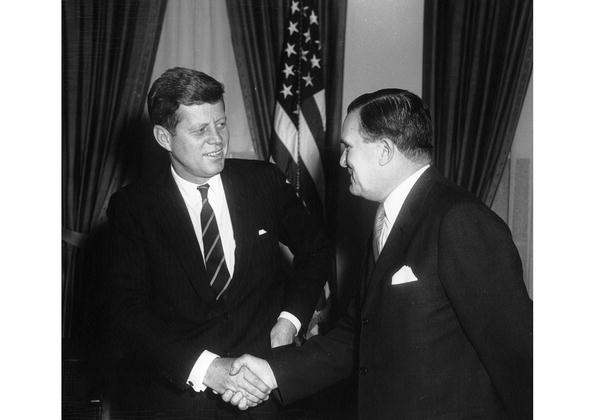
303, 209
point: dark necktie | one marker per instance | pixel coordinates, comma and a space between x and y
213, 249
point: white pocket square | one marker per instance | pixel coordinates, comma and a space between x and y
261, 232
404, 275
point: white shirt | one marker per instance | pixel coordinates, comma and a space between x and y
218, 202
394, 202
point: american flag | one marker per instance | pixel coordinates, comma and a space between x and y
300, 119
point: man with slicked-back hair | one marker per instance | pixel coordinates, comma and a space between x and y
441, 327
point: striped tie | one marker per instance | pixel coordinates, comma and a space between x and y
378, 226
213, 249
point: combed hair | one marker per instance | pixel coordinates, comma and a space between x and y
398, 115
180, 86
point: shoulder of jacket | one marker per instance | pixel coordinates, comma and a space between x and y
233, 164
446, 200
137, 193
460, 206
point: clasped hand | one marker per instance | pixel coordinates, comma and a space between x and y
244, 382
257, 367
247, 381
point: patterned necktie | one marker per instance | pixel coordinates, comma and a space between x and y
213, 249
378, 226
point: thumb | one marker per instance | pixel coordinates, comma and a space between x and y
236, 365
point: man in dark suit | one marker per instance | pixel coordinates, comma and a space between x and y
196, 268
442, 325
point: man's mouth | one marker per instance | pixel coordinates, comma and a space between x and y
351, 177
215, 155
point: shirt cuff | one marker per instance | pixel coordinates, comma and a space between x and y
293, 319
198, 372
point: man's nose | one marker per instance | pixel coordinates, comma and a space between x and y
343, 160
215, 136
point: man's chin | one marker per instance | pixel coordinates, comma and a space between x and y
209, 170
354, 190
216, 165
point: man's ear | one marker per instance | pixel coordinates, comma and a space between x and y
163, 137
387, 151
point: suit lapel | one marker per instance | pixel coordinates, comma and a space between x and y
241, 213
178, 230
393, 253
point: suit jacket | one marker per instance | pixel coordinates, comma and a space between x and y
456, 343
162, 304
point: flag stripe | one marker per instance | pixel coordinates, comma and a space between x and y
311, 156
309, 193
319, 98
314, 117
286, 132
284, 160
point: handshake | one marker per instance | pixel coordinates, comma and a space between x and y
244, 382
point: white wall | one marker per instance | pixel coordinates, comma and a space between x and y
520, 210
383, 47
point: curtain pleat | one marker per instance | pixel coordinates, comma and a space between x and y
333, 18
476, 70
108, 51
257, 35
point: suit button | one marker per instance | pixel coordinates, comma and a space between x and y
365, 321
363, 370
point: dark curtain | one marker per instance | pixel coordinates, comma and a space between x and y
477, 62
333, 15
108, 49
257, 35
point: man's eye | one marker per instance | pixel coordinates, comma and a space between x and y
222, 124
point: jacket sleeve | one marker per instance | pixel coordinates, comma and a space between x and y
303, 233
132, 315
481, 272
320, 362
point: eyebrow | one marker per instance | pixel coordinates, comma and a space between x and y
201, 125
197, 126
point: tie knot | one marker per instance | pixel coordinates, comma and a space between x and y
204, 190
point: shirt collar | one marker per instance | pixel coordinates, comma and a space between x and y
395, 200
190, 191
